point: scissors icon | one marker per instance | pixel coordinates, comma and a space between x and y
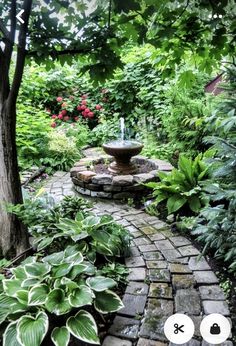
178, 328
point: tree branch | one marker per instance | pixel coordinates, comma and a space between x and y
4, 30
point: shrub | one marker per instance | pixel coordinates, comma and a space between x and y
181, 187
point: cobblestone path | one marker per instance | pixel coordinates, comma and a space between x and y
165, 276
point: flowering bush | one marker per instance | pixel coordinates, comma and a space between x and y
75, 108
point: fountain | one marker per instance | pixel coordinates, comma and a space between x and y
122, 150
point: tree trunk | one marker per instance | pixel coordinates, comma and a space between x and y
13, 235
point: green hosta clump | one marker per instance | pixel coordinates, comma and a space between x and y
182, 186
94, 234
61, 284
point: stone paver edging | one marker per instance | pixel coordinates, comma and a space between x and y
165, 277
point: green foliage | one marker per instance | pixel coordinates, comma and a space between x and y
33, 132
105, 131
115, 271
216, 224
181, 187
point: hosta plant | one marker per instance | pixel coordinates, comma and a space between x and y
182, 186
62, 284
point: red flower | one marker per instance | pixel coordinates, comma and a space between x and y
84, 96
54, 116
66, 118
79, 108
98, 107
63, 105
90, 114
53, 124
76, 118
83, 107
84, 114
84, 102
87, 110
59, 99
60, 116
64, 112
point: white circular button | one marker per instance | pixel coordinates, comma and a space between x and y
215, 329
179, 328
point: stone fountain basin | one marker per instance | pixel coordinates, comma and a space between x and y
123, 149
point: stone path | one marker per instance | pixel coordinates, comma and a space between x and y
165, 276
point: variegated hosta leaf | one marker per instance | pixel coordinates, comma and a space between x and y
100, 283
107, 301
37, 270
55, 258
61, 270
81, 296
44, 243
11, 286
30, 282
31, 331
60, 336
76, 258
57, 303
77, 270
65, 283
83, 327
38, 294
22, 296
10, 335
19, 272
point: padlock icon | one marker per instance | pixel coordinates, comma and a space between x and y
215, 329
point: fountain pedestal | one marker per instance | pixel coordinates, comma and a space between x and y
122, 151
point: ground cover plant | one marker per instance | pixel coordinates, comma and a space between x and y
55, 293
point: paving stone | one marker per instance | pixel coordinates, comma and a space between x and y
113, 341
183, 260
134, 251
177, 268
137, 234
161, 226
83, 191
147, 342
160, 290
158, 310
197, 322
192, 342
156, 236
102, 179
167, 232
142, 241
156, 264
123, 222
183, 281
187, 301
137, 274
152, 256
134, 262
164, 245
132, 229
196, 263
159, 275
147, 248
139, 223
148, 230
133, 305
122, 180
137, 288
125, 327
211, 293
101, 194
171, 254
215, 307
205, 277
189, 250
226, 343
180, 241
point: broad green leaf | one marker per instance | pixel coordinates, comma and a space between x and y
60, 336
31, 331
194, 204
55, 258
19, 272
61, 270
100, 283
11, 286
22, 296
77, 270
38, 294
175, 202
76, 258
44, 243
37, 269
83, 327
81, 296
107, 301
30, 282
57, 303
10, 335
